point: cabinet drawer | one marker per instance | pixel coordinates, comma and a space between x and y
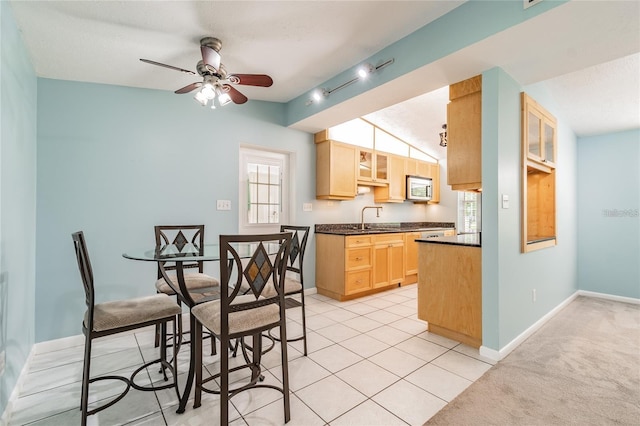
358, 281
357, 240
389, 238
358, 258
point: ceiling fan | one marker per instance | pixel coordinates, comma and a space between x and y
216, 82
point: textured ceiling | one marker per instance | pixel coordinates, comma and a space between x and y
587, 52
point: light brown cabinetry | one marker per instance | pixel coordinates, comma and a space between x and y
411, 257
335, 170
539, 130
394, 191
373, 167
388, 260
464, 135
358, 255
538, 176
357, 265
450, 291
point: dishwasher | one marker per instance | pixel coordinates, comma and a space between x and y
433, 233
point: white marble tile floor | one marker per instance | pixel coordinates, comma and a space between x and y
370, 362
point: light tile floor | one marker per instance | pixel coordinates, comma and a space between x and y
370, 362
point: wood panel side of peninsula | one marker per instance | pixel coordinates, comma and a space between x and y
450, 291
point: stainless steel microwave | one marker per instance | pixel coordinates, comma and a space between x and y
419, 188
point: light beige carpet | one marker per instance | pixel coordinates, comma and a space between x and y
581, 368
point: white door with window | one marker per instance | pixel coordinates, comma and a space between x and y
264, 190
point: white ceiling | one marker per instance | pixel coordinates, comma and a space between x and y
588, 52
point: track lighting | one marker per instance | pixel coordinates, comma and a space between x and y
362, 73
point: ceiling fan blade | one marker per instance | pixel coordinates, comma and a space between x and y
261, 80
148, 61
235, 95
211, 58
189, 88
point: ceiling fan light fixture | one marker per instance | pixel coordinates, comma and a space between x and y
223, 97
202, 99
207, 91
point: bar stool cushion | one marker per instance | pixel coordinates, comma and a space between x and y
291, 285
193, 281
209, 315
123, 313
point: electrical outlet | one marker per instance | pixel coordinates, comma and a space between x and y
307, 207
223, 205
533, 295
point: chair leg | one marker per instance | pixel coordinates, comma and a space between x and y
285, 373
213, 344
304, 322
163, 350
197, 348
84, 396
156, 342
196, 344
176, 349
224, 380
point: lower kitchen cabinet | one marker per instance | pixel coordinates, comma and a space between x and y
388, 255
356, 265
411, 257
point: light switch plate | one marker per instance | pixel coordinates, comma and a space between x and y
223, 205
505, 201
307, 207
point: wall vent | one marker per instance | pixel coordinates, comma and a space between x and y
529, 3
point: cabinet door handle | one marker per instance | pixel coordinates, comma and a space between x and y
358, 258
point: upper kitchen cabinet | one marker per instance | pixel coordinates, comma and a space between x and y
394, 191
539, 132
359, 153
335, 169
538, 128
464, 135
373, 167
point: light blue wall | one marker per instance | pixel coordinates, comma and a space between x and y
508, 276
115, 161
608, 222
17, 201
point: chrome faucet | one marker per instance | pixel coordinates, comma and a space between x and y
378, 208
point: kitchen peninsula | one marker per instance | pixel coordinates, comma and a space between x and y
353, 262
450, 287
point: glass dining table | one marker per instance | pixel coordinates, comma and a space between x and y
175, 255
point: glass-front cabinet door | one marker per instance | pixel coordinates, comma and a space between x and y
540, 136
549, 149
382, 167
365, 165
373, 167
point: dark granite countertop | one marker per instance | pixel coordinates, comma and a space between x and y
380, 228
469, 240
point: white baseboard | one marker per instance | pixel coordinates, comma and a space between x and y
58, 344
312, 290
506, 350
509, 347
17, 389
609, 297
